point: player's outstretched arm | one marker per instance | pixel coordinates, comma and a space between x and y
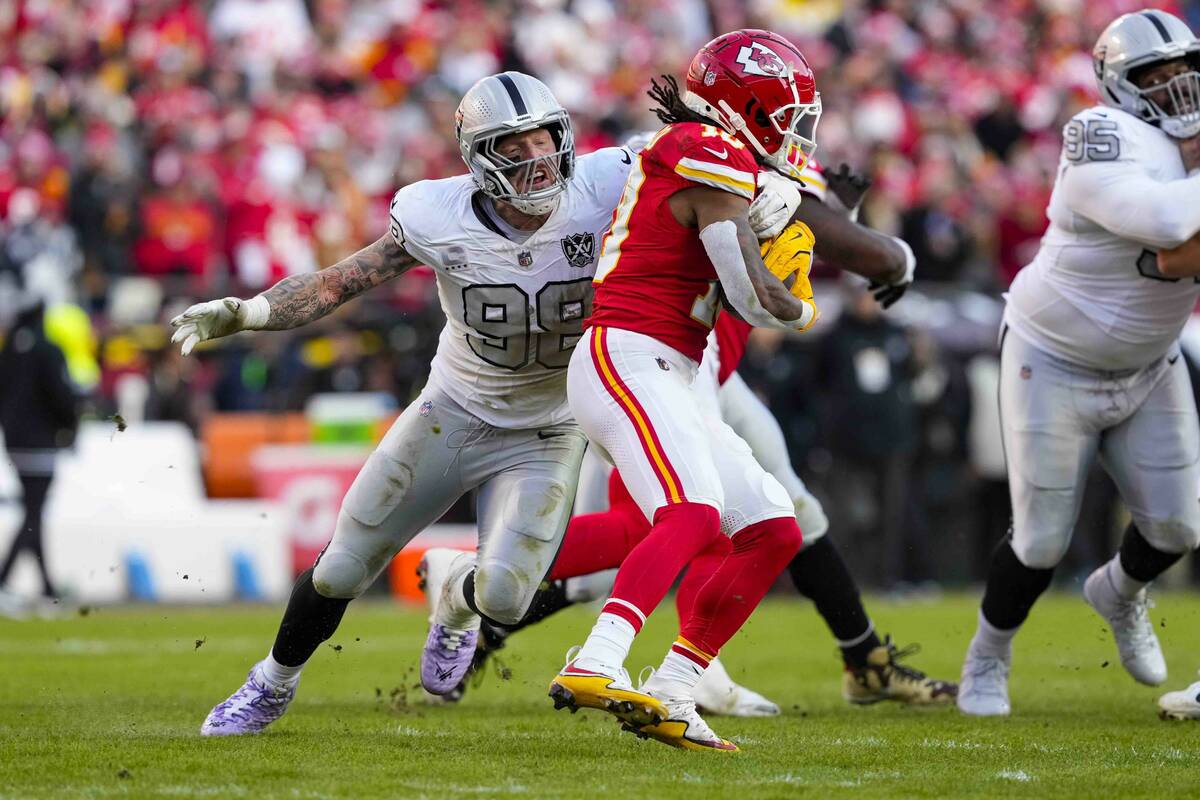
884, 260
296, 300
1121, 197
301, 299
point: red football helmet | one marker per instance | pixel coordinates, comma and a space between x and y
756, 85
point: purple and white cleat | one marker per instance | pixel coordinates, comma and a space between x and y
446, 658
453, 629
250, 709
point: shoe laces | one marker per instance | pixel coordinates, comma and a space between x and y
1134, 617
452, 639
987, 671
256, 695
896, 654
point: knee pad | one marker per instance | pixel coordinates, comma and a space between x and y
341, 575
1043, 552
352, 560
503, 593
810, 516
1175, 535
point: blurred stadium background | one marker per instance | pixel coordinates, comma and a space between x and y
158, 152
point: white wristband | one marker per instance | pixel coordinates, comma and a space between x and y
910, 262
254, 313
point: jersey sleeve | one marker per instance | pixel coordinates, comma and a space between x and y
721, 166
604, 172
1102, 178
812, 180
407, 213
705, 155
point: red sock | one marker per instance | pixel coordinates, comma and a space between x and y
698, 572
760, 552
596, 542
679, 533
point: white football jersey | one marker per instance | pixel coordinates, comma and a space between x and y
1093, 294
514, 310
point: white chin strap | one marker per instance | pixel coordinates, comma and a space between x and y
535, 208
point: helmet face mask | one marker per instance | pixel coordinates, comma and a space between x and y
513, 181
797, 128
1173, 101
510, 103
756, 85
1142, 42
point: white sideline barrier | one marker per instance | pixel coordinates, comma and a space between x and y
133, 502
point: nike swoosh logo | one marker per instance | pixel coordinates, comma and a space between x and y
1172, 360
724, 154
544, 435
626, 158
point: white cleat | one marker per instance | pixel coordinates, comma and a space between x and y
1137, 644
1181, 705
716, 693
983, 689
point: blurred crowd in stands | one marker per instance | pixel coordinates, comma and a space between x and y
158, 152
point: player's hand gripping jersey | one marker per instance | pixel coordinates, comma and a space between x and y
655, 277
514, 310
1093, 294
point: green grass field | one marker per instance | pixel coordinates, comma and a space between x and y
109, 704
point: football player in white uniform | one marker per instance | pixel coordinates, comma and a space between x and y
1090, 363
514, 246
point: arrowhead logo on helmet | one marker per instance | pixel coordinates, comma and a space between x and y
757, 86
758, 59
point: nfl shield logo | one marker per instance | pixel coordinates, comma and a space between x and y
579, 249
525, 258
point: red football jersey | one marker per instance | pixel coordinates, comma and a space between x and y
732, 335
654, 276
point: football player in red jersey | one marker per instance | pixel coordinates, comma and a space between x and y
680, 241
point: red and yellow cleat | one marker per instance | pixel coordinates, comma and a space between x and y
684, 728
606, 690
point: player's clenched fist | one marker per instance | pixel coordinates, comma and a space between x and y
218, 318
774, 204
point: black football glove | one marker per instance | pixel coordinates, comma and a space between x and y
848, 186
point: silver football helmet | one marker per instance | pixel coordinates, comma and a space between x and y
1139, 40
512, 102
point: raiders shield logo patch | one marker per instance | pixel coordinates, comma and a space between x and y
579, 249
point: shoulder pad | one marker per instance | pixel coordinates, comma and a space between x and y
1101, 134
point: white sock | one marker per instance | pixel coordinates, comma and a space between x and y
991, 641
453, 611
278, 674
609, 641
677, 675
1124, 585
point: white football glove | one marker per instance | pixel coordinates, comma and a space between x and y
218, 318
777, 200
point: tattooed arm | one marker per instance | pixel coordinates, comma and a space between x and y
297, 300
301, 299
